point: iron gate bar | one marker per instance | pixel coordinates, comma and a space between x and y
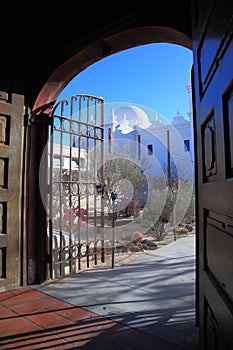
87, 177
68, 249
102, 179
95, 208
71, 266
50, 207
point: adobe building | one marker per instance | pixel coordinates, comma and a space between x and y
166, 148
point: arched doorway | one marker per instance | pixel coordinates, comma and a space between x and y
50, 91
158, 33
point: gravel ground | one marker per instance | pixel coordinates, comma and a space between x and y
128, 251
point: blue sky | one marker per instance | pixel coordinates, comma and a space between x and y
153, 76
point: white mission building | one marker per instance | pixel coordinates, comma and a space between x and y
162, 149
166, 148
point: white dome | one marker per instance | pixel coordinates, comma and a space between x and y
132, 116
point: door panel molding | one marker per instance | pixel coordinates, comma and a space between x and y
212, 80
213, 44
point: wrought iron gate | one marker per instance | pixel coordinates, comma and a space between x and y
75, 165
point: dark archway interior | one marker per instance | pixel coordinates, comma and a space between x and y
66, 39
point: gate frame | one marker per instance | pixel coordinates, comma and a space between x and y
74, 250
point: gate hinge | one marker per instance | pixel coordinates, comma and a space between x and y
40, 119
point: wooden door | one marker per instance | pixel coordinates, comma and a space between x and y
212, 30
12, 242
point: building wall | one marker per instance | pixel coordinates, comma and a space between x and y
161, 147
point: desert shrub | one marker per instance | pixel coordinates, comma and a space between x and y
189, 217
164, 204
159, 230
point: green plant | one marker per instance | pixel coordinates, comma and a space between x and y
155, 204
189, 217
159, 230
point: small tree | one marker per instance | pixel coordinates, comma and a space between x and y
123, 173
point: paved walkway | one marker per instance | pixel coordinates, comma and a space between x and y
148, 303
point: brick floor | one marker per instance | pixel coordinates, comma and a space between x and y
30, 319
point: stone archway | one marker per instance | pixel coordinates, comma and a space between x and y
101, 49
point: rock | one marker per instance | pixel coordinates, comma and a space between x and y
148, 244
189, 227
135, 249
122, 249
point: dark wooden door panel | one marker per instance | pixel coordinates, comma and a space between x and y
213, 86
11, 126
